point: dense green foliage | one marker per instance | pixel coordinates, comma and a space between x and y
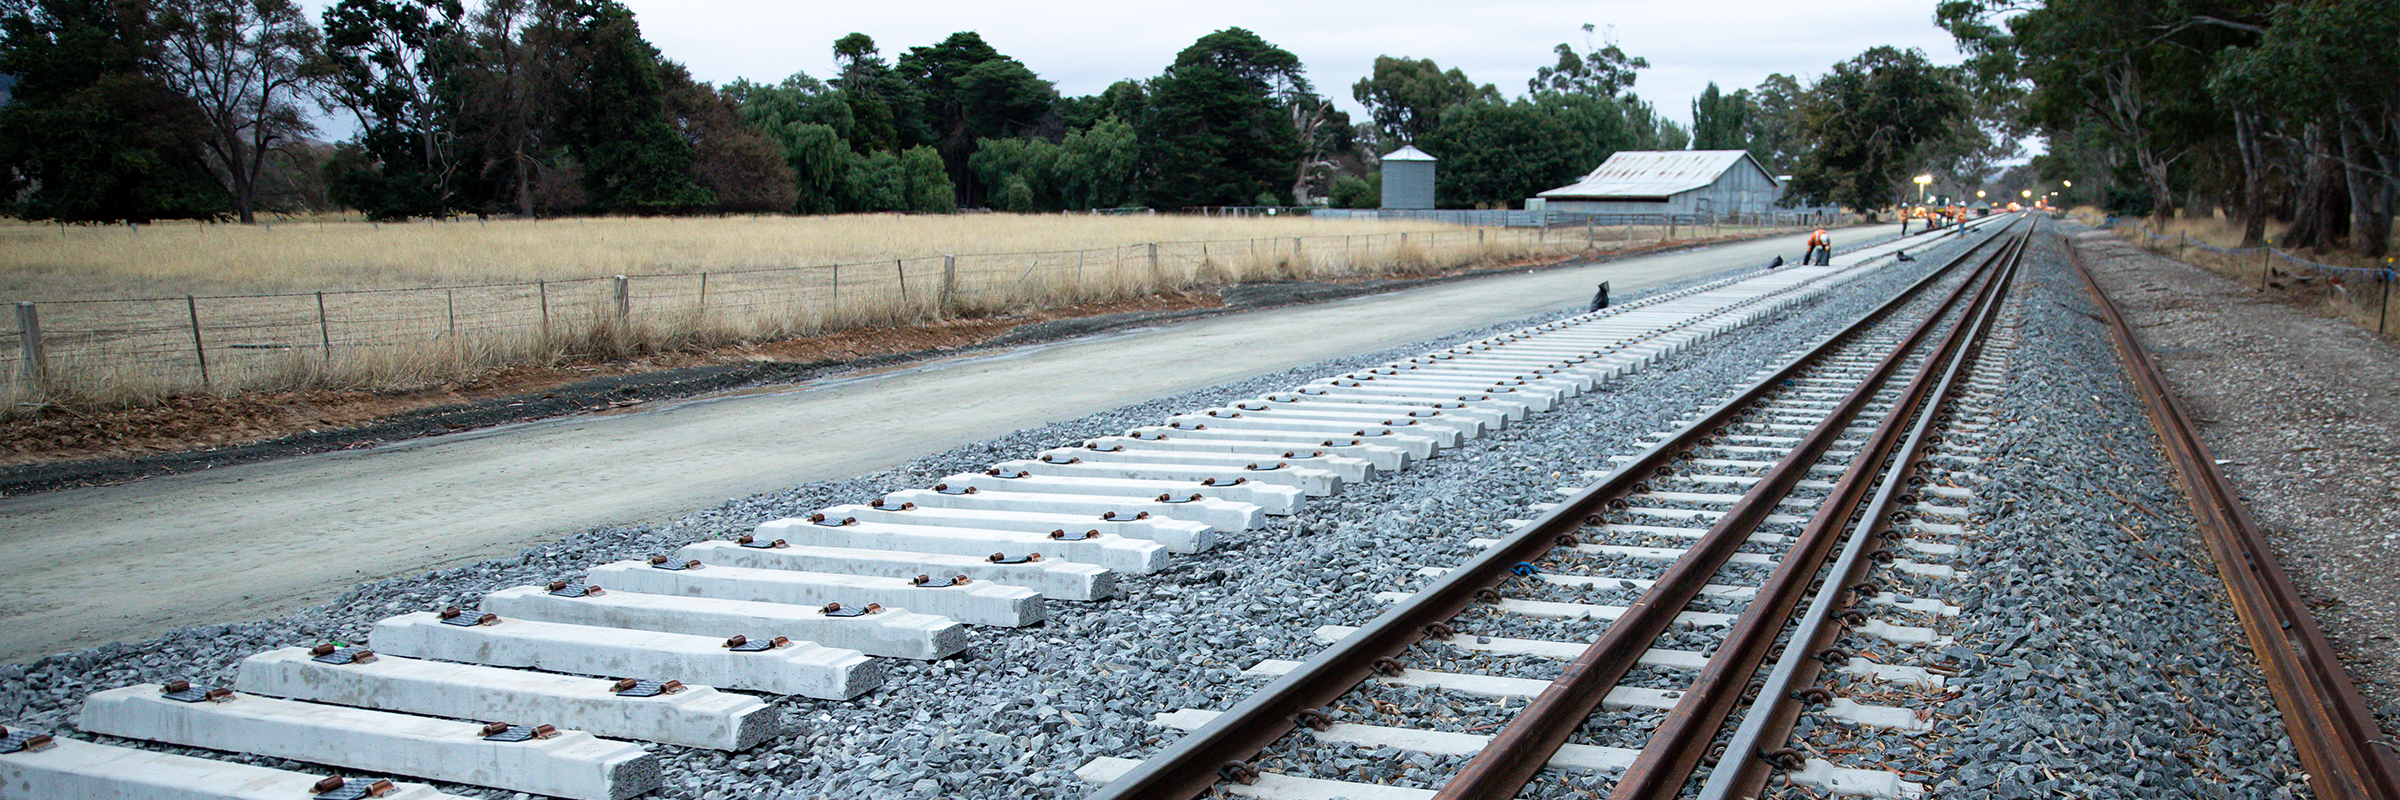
548, 107
1869, 122
2265, 109
1406, 97
81, 66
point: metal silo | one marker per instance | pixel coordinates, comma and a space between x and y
1407, 179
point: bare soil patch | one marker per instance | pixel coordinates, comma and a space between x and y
204, 421
2303, 414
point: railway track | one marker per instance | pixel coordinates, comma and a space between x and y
1649, 607
540, 689
1705, 543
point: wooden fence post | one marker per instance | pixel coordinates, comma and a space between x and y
199, 351
624, 298
543, 288
2383, 312
704, 291
949, 282
1159, 280
900, 269
29, 337
324, 330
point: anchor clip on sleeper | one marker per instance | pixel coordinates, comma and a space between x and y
504, 732
745, 644
566, 589
182, 691
453, 616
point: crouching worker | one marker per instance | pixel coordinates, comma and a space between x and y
1820, 249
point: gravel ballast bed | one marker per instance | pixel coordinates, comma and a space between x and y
2099, 657
1015, 714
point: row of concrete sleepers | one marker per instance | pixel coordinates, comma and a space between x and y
546, 689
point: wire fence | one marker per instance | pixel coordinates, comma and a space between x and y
2268, 259
1555, 218
128, 349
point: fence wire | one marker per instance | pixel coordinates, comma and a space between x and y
2268, 256
97, 348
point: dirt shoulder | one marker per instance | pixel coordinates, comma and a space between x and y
60, 447
2300, 410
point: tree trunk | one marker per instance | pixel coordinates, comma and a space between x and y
2321, 207
2254, 179
2370, 193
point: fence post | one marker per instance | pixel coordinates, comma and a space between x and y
450, 310
324, 330
949, 281
29, 335
1156, 279
199, 351
624, 298
1300, 259
2383, 311
543, 288
704, 291
1478, 237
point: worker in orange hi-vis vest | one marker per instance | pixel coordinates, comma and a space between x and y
1820, 249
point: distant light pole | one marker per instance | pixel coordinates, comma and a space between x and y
1923, 181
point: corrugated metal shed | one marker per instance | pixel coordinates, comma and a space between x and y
1673, 182
1407, 179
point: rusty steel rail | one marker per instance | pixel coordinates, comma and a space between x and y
2333, 730
1676, 748
1525, 746
1196, 762
1770, 719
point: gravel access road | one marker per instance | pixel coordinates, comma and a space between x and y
128, 562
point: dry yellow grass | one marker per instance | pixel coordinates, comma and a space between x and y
354, 304
47, 262
2352, 296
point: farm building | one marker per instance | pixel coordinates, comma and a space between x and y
1407, 179
1670, 182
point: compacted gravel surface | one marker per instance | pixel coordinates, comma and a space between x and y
2100, 659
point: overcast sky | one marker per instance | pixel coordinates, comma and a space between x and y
1085, 45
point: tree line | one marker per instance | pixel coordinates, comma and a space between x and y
202, 109
2261, 109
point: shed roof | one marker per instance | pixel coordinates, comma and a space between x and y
1655, 173
1407, 153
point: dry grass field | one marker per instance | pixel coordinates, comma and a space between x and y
128, 315
2346, 294
50, 262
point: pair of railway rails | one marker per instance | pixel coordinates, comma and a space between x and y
1779, 540
1758, 550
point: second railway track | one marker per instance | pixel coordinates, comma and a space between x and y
1195, 552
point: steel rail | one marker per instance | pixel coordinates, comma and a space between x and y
1675, 749
2333, 730
1525, 745
1771, 717
1197, 761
